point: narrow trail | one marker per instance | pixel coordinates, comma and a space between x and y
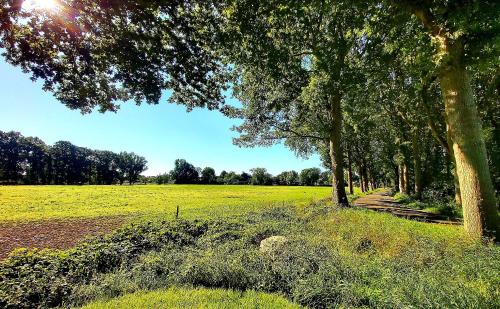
382, 201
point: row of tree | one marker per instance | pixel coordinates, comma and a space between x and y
186, 173
403, 91
28, 160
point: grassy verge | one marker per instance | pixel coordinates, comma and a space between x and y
330, 258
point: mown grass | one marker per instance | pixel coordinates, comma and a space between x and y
177, 298
29, 203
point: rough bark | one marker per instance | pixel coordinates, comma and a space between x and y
401, 179
339, 195
478, 199
406, 176
456, 182
361, 182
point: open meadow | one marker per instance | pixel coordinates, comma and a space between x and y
35, 203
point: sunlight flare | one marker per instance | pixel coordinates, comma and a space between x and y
48, 5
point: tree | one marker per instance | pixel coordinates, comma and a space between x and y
231, 178
288, 178
10, 157
162, 179
293, 80
130, 166
106, 167
261, 177
184, 173
325, 179
245, 178
310, 176
208, 176
77, 50
70, 163
463, 36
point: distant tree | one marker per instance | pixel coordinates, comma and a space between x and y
10, 157
162, 179
221, 177
35, 160
106, 167
184, 172
232, 178
208, 176
70, 163
245, 178
261, 177
325, 178
130, 166
288, 178
310, 176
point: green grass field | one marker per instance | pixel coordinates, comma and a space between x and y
30, 203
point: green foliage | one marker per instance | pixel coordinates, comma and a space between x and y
208, 176
29, 160
162, 179
310, 176
167, 47
289, 178
261, 177
184, 172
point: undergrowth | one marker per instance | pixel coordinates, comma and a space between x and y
331, 258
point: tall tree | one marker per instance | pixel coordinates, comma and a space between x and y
463, 35
296, 61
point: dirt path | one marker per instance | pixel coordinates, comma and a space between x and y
56, 234
382, 201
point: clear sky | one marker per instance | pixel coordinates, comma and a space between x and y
161, 133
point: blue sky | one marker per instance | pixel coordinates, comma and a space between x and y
161, 133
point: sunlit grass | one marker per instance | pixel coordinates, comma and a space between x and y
177, 298
30, 203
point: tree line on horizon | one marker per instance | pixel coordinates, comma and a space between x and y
186, 173
401, 91
28, 160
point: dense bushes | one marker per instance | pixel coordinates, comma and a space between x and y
326, 261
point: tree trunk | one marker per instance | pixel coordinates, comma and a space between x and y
478, 199
417, 165
401, 179
360, 172
365, 176
349, 171
397, 183
406, 175
456, 182
339, 195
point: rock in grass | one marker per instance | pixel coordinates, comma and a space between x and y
271, 244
